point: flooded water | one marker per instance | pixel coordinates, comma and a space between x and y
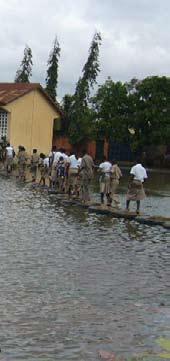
73, 283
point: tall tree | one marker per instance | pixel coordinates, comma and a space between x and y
24, 72
52, 71
90, 71
151, 116
111, 108
80, 114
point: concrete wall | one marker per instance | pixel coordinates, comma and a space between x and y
63, 142
31, 120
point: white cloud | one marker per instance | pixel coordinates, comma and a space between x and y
135, 37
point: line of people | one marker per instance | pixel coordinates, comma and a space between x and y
66, 173
72, 175
109, 182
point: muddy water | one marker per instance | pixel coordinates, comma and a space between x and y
74, 283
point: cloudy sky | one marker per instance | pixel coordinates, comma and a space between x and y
135, 37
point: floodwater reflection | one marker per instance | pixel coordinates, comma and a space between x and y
74, 283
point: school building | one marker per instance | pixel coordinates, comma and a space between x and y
27, 115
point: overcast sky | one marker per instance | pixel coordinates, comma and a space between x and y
135, 37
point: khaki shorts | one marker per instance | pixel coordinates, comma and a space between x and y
9, 161
105, 184
72, 177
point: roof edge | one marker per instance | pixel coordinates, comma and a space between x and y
55, 104
35, 86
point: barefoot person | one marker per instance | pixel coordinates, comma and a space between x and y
136, 191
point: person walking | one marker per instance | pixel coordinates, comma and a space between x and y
135, 190
116, 174
9, 156
44, 165
52, 155
73, 166
86, 174
104, 180
34, 164
53, 176
22, 161
61, 174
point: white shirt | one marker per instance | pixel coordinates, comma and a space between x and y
73, 161
105, 167
57, 156
52, 155
46, 162
79, 162
65, 157
9, 151
139, 172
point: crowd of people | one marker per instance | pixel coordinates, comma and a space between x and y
70, 174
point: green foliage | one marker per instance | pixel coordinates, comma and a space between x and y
80, 129
67, 103
151, 115
79, 113
90, 71
111, 106
57, 125
137, 112
52, 71
24, 73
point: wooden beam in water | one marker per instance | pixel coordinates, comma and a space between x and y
154, 221
114, 212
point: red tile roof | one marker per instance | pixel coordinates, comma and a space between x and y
12, 91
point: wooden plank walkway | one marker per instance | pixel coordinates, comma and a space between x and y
97, 208
94, 207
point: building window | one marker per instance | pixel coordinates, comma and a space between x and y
3, 124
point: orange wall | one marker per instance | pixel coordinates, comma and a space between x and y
63, 142
91, 148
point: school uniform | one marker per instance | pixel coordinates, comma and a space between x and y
22, 161
116, 174
73, 171
104, 179
86, 173
34, 165
9, 158
136, 191
61, 174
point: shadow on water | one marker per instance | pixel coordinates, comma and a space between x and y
73, 283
